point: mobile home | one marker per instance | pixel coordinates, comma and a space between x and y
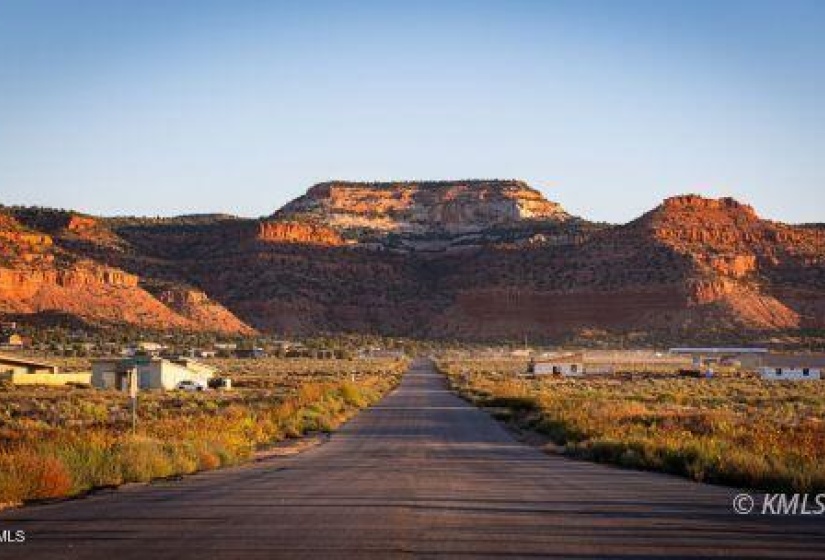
567, 365
800, 367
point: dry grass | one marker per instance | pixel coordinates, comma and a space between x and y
63, 441
736, 429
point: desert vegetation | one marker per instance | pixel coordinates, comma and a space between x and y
58, 442
734, 429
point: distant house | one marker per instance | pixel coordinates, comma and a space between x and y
11, 341
376, 352
567, 365
153, 372
792, 367
26, 371
225, 349
16, 364
151, 348
143, 348
572, 364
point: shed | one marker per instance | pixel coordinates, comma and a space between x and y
11, 341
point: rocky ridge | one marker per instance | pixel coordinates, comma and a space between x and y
422, 208
481, 260
62, 272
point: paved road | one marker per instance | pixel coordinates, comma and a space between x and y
422, 474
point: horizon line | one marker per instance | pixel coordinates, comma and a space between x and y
391, 182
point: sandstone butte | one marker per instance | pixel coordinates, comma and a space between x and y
474, 260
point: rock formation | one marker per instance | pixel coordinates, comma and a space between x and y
422, 207
67, 271
481, 260
297, 232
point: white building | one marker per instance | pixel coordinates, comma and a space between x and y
146, 348
792, 367
153, 372
567, 365
575, 364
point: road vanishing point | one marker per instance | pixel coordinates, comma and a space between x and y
421, 474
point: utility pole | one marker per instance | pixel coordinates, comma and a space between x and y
133, 389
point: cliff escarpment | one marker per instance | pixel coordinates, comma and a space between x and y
472, 260
77, 266
422, 207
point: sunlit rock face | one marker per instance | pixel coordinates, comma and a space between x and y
423, 207
297, 232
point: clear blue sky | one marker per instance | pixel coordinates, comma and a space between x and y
167, 107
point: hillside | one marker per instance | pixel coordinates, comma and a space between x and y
475, 260
691, 268
63, 263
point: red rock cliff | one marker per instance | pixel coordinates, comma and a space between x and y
296, 232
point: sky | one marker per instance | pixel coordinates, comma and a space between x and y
150, 107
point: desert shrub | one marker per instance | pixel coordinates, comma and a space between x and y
142, 459
59, 442
31, 475
735, 430
352, 394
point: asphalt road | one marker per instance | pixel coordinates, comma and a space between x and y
421, 474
